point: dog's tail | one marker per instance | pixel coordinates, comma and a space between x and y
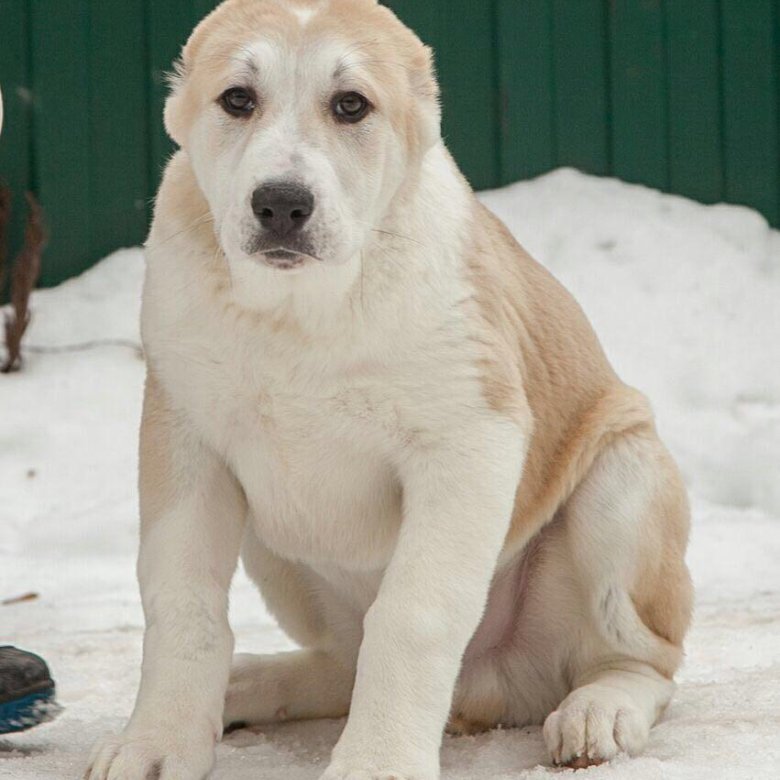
625, 632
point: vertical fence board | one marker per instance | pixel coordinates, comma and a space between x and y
526, 99
469, 68
462, 32
750, 104
638, 92
202, 7
15, 149
61, 132
580, 85
168, 26
775, 221
119, 183
695, 140
424, 18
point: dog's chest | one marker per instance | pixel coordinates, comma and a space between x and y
312, 450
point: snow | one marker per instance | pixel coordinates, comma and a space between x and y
684, 298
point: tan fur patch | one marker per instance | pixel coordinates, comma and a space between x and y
156, 459
461, 727
543, 366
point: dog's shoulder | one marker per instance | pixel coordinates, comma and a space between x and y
537, 336
543, 360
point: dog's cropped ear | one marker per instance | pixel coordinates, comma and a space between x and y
177, 119
426, 89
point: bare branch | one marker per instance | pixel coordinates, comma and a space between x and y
26, 271
5, 219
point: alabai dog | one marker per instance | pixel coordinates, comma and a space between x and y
362, 385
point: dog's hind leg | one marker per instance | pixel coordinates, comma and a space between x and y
287, 686
626, 528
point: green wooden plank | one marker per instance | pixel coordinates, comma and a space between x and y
639, 100
469, 69
169, 24
119, 187
202, 7
462, 33
695, 140
423, 18
750, 104
580, 85
525, 79
60, 35
14, 80
15, 146
775, 221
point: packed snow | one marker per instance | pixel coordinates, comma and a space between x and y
685, 298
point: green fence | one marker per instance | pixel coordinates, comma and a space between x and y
682, 95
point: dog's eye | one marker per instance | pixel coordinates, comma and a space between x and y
350, 107
238, 101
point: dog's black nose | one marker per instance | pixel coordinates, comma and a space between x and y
283, 208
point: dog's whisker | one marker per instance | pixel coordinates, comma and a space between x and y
397, 235
204, 219
388, 254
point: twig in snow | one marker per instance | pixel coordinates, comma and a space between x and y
26, 270
85, 346
19, 599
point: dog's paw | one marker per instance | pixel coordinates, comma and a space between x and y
150, 755
591, 727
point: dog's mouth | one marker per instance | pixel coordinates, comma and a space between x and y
287, 259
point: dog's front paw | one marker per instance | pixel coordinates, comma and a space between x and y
152, 755
591, 727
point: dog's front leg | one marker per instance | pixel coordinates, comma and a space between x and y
458, 500
192, 515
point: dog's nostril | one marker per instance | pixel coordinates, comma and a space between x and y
298, 214
267, 213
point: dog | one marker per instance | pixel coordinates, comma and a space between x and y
362, 385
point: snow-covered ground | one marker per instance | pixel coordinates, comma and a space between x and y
686, 299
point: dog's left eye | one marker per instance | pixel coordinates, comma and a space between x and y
350, 107
238, 101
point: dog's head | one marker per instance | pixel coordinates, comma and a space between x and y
302, 119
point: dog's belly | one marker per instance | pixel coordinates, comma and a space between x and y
316, 498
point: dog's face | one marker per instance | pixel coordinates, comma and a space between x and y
302, 119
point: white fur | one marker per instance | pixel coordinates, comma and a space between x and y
305, 15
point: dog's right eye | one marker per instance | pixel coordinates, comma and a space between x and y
238, 101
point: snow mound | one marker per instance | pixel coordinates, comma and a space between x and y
684, 299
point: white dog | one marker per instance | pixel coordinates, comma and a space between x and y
407, 428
